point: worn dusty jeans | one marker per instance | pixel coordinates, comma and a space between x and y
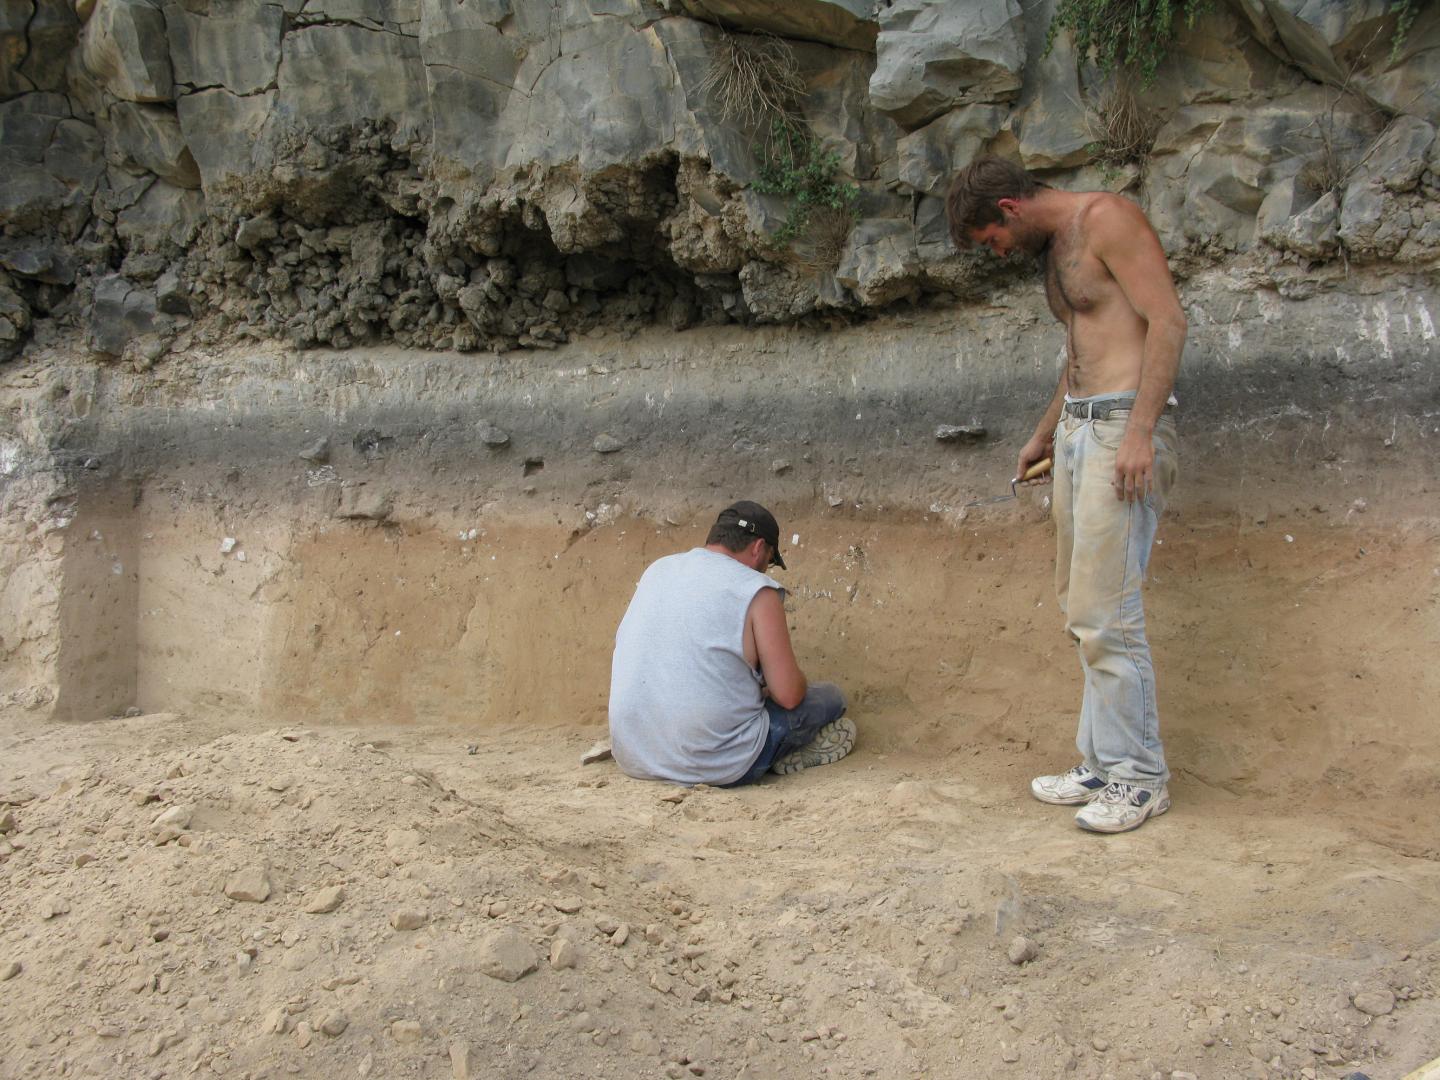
1103, 551
792, 729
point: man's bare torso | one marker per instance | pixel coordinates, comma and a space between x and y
1104, 337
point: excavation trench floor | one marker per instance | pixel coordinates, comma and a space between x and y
501, 910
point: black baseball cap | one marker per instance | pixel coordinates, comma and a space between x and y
754, 519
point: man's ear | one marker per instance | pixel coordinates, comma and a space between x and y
1009, 207
756, 549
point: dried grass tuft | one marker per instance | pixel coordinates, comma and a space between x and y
822, 241
755, 79
1123, 131
1324, 172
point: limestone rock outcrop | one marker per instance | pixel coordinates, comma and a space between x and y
509, 173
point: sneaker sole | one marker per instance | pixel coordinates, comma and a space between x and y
834, 742
1055, 800
1160, 808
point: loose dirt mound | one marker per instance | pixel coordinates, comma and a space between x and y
506, 912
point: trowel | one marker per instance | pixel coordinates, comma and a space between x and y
1040, 468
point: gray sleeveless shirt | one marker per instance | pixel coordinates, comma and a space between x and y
685, 705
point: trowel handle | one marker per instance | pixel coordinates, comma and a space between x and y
1040, 468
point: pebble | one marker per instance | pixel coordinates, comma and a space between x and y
569, 904
601, 751
7, 822
334, 1024
170, 823
250, 885
402, 845
1021, 951
317, 453
1008, 1053
367, 1065
303, 1034
325, 901
1375, 1002
491, 435
959, 433
507, 956
162, 1042
409, 918
563, 953
405, 1031
605, 443
621, 935
9, 970
1099, 1045
464, 1061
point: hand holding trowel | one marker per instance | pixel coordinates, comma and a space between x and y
1040, 468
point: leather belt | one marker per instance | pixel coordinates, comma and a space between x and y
1099, 408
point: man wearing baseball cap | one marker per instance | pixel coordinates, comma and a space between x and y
704, 687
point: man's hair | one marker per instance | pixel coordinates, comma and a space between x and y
974, 196
730, 536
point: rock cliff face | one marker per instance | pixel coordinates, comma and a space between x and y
506, 173
388, 183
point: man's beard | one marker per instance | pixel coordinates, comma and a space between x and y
1031, 241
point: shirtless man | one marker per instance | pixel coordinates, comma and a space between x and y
1109, 432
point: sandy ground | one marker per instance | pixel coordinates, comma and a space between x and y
500, 910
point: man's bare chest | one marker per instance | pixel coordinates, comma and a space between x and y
1076, 283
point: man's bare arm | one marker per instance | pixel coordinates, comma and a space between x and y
783, 677
1123, 240
1041, 445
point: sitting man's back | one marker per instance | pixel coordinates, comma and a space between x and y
704, 687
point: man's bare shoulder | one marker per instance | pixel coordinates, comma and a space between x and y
1112, 222
1104, 210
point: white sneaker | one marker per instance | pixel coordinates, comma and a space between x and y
831, 743
1077, 786
1122, 807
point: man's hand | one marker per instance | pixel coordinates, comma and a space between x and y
1037, 449
1134, 467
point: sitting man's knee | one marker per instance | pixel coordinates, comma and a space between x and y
831, 698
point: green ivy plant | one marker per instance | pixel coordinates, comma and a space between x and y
1126, 35
795, 167
1405, 10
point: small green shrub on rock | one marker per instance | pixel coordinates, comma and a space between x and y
1133, 35
794, 166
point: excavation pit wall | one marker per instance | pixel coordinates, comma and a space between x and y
344, 537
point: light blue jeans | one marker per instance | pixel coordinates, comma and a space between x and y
1102, 555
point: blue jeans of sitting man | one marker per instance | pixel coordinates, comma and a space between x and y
794, 729
1102, 555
